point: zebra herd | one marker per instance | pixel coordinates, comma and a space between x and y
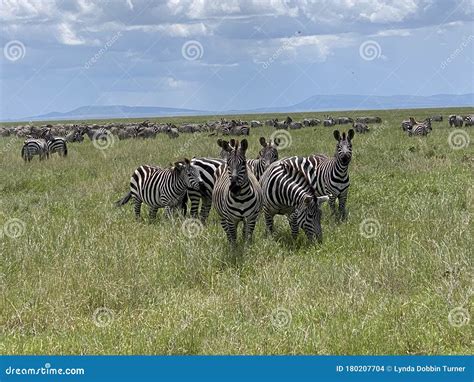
416, 128
43, 147
240, 188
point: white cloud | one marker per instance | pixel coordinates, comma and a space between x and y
394, 32
67, 36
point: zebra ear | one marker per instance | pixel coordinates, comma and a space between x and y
350, 134
220, 143
322, 199
187, 161
337, 135
262, 141
233, 143
244, 145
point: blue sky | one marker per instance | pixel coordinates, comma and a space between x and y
221, 55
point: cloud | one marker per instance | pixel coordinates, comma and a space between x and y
393, 32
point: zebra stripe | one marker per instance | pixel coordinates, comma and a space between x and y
287, 191
33, 147
57, 145
160, 188
329, 176
207, 168
237, 195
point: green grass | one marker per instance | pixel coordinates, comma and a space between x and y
168, 294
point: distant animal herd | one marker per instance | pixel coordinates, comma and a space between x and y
239, 188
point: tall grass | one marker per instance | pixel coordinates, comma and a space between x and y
79, 276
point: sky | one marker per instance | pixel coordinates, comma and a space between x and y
227, 55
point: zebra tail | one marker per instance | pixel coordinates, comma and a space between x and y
121, 202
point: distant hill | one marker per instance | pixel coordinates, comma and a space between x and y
113, 111
362, 102
314, 103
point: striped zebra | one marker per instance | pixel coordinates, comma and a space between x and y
329, 176
237, 195
33, 147
55, 144
287, 191
224, 153
420, 128
267, 155
160, 188
96, 133
236, 130
207, 168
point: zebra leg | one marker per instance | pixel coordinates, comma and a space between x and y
194, 204
153, 211
249, 227
230, 229
205, 209
293, 225
342, 206
332, 204
268, 223
138, 205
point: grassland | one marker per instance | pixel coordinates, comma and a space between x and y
79, 276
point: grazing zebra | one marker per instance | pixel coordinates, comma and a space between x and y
160, 188
360, 127
419, 128
96, 134
267, 155
287, 191
207, 168
236, 130
237, 195
33, 147
455, 120
55, 144
329, 176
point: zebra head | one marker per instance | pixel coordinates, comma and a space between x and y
226, 147
308, 215
190, 173
269, 152
344, 146
237, 165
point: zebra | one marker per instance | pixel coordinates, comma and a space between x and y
420, 128
267, 155
207, 168
287, 191
236, 130
158, 187
55, 144
224, 153
32, 147
329, 176
96, 134
237, 195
